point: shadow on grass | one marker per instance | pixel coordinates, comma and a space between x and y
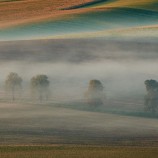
103, 109
89, 4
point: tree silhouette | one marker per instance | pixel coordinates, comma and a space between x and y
151, 99
94, 94
40, 86
13, 83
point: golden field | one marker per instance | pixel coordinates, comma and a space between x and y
14, 12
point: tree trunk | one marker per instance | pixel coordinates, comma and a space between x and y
13, 94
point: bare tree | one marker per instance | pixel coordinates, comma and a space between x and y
40, 86
151, 99
13, 83
94, 94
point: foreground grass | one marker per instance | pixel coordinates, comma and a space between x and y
77, 152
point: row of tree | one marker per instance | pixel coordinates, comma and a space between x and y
39, 85
40, 88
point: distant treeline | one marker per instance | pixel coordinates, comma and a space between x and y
40, 89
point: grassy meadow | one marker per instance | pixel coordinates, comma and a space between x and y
77, 152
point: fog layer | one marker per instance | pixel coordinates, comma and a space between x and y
70, 64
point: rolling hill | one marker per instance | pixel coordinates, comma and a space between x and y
14, 12
35, 19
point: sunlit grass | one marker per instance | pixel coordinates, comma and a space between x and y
15, 10
146, 32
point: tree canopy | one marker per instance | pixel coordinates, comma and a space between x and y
94, 94
151, 99
13, 83
40, 86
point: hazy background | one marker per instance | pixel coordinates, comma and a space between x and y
121, 66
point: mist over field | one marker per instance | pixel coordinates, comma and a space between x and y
78, 72
66, 118
70, 64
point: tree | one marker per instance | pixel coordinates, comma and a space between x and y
13, 83
94, 94
40, 86
151, 99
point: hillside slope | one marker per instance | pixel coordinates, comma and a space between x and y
17, 11
36, 19
87, 22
